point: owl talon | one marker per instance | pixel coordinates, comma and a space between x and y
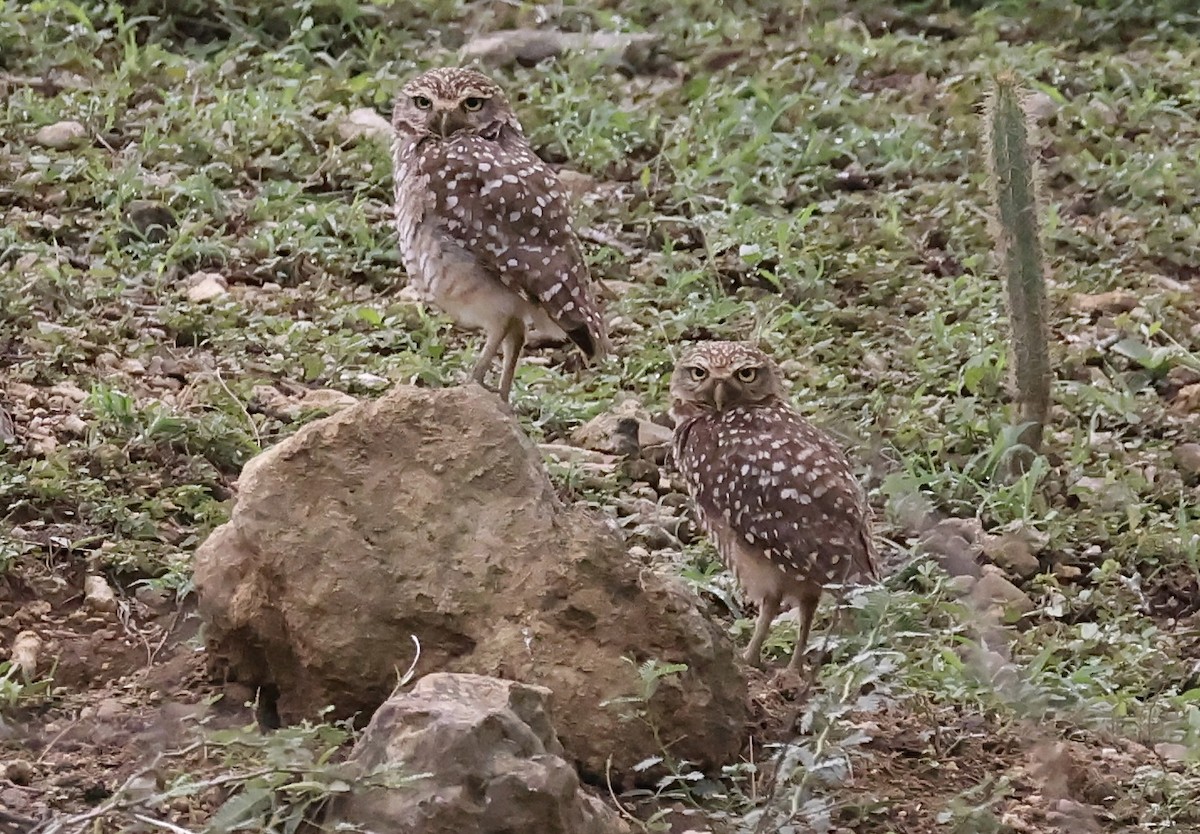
754, 659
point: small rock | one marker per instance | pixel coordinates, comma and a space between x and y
98, 595
206, 286
1187, 401
960, 585
1040, 106
156, 599
280, 406
515, 46
364, 121
577, 183
527, 47
18, 771
1067, 573
563, 452
150, 219
655, 537
41, 445
8, 429
643, 470
1182, 375
131, 366
109, 708
1107, 495
26, 648
491, 758
955, 544
1117, 301
1172, 752
69, 391
1187, 458
61, 136
1012, 553
326, 399
372, 381
73, 425
993, 589
621, 430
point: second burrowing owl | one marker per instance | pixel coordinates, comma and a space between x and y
775, 493
484, 226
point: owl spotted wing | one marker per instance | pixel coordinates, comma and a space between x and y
782, 486
505, 206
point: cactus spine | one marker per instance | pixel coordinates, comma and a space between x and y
1012, 170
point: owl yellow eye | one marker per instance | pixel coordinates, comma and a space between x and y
422, 103
472, 104
697, 374
747, 374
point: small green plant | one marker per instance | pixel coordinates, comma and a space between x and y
16, 690
1013, 177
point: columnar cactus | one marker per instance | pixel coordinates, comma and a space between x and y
1015, 225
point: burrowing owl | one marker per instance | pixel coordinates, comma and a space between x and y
485, 228
775, 493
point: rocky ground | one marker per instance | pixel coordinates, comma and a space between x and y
197, 260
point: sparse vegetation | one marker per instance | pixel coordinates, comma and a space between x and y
807, 176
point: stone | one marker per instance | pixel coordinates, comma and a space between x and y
1013, 554
1117, 301
98, 595
364, 122
491, 760
993, 590
1187, 458
1187, 400
1171, 752
61, 136
206, 286
152, 220
18, 771
577, 184
527, 47
428, 513
26, 650
623, 430
955, 544
282, 406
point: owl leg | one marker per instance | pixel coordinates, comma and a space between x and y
808, 609
514, 343
767, 610
490, 348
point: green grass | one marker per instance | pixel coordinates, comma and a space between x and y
812, 179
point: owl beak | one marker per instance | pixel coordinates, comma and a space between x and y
721, 394
448, 122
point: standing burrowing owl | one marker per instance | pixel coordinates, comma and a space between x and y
485, 228
775, 493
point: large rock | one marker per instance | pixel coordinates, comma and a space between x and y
428, 513
491, 760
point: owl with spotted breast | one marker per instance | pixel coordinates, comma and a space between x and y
774, 493
484, 225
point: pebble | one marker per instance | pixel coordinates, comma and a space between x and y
1187, 458
206, 286
61, 136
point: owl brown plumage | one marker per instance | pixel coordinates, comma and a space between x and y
776, 494
484, 226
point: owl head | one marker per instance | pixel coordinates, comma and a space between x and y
448, 101
712, 377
